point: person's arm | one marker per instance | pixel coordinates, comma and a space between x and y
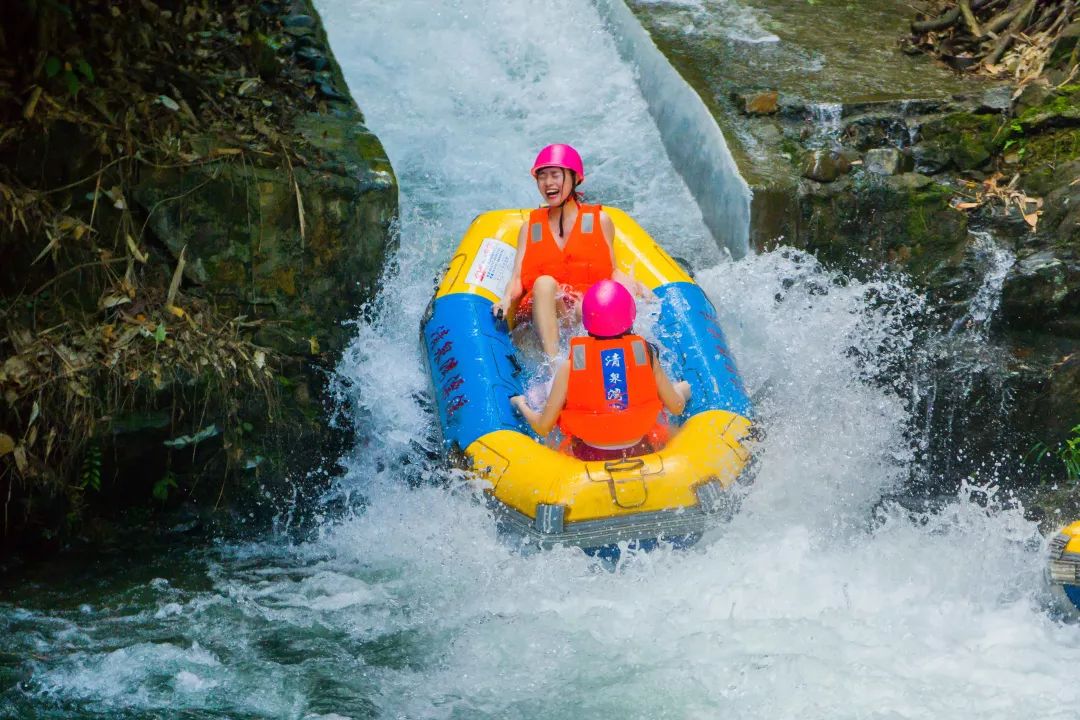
673, 395
513, 289
636, 288
542, 422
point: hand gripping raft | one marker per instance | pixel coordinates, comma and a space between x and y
551, 498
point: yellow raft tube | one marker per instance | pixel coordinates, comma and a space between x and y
548, 497
1063, 568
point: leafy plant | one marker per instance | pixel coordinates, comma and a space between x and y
1067, 452
90, 473
163, 486
72, 75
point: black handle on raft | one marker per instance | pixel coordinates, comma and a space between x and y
514, 361
627, 465
500, 320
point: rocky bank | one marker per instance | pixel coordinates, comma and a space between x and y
873, 158
193, 210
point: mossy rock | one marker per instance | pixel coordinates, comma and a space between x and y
1049, 160
1062, 109
240, 229
904, 220
967, 140
1065, 46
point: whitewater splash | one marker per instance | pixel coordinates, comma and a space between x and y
818, 600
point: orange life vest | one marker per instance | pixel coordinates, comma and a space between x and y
612, 396
583, 261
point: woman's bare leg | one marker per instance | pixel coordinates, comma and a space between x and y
545, 315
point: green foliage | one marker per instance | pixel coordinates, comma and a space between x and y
1067, 452
71, 73
90, 473
1013, 134
163, 486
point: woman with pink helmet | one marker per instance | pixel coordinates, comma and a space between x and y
607, 398
564, 248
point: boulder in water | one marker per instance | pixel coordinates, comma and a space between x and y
825, 165
762, 102
886, 161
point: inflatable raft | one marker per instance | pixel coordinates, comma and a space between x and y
539, 493
1063, 567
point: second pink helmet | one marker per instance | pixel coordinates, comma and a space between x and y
562, 156
608, 309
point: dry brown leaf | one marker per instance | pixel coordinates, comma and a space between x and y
16, 369
7, 444
54, 242
20, 458
178, 275
49, 440
247, 86
135, 251
300, 211
112, 300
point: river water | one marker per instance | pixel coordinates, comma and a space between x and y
820, 599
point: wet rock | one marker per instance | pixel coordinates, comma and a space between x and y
299, 21
300, 31
312, 58
765, 102
870, 131
995, 100
1058, 110
1033, 95
1043, 291
886, 161
329, 91
1065, 45
930, 158
964, 141
1063, 396
911, 181
1062, 213
257, 260
824, 165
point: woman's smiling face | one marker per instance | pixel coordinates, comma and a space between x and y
552, 184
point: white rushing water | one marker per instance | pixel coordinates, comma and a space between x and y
817, 601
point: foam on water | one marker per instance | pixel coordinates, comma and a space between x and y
818, 600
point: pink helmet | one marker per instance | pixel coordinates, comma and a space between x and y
608, 309
562, 156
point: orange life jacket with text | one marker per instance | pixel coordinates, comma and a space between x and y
583, 261
612, 396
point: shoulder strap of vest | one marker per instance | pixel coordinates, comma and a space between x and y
578, 353
588, 221
537, 221
638, 349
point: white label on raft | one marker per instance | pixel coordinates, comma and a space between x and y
492, 266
